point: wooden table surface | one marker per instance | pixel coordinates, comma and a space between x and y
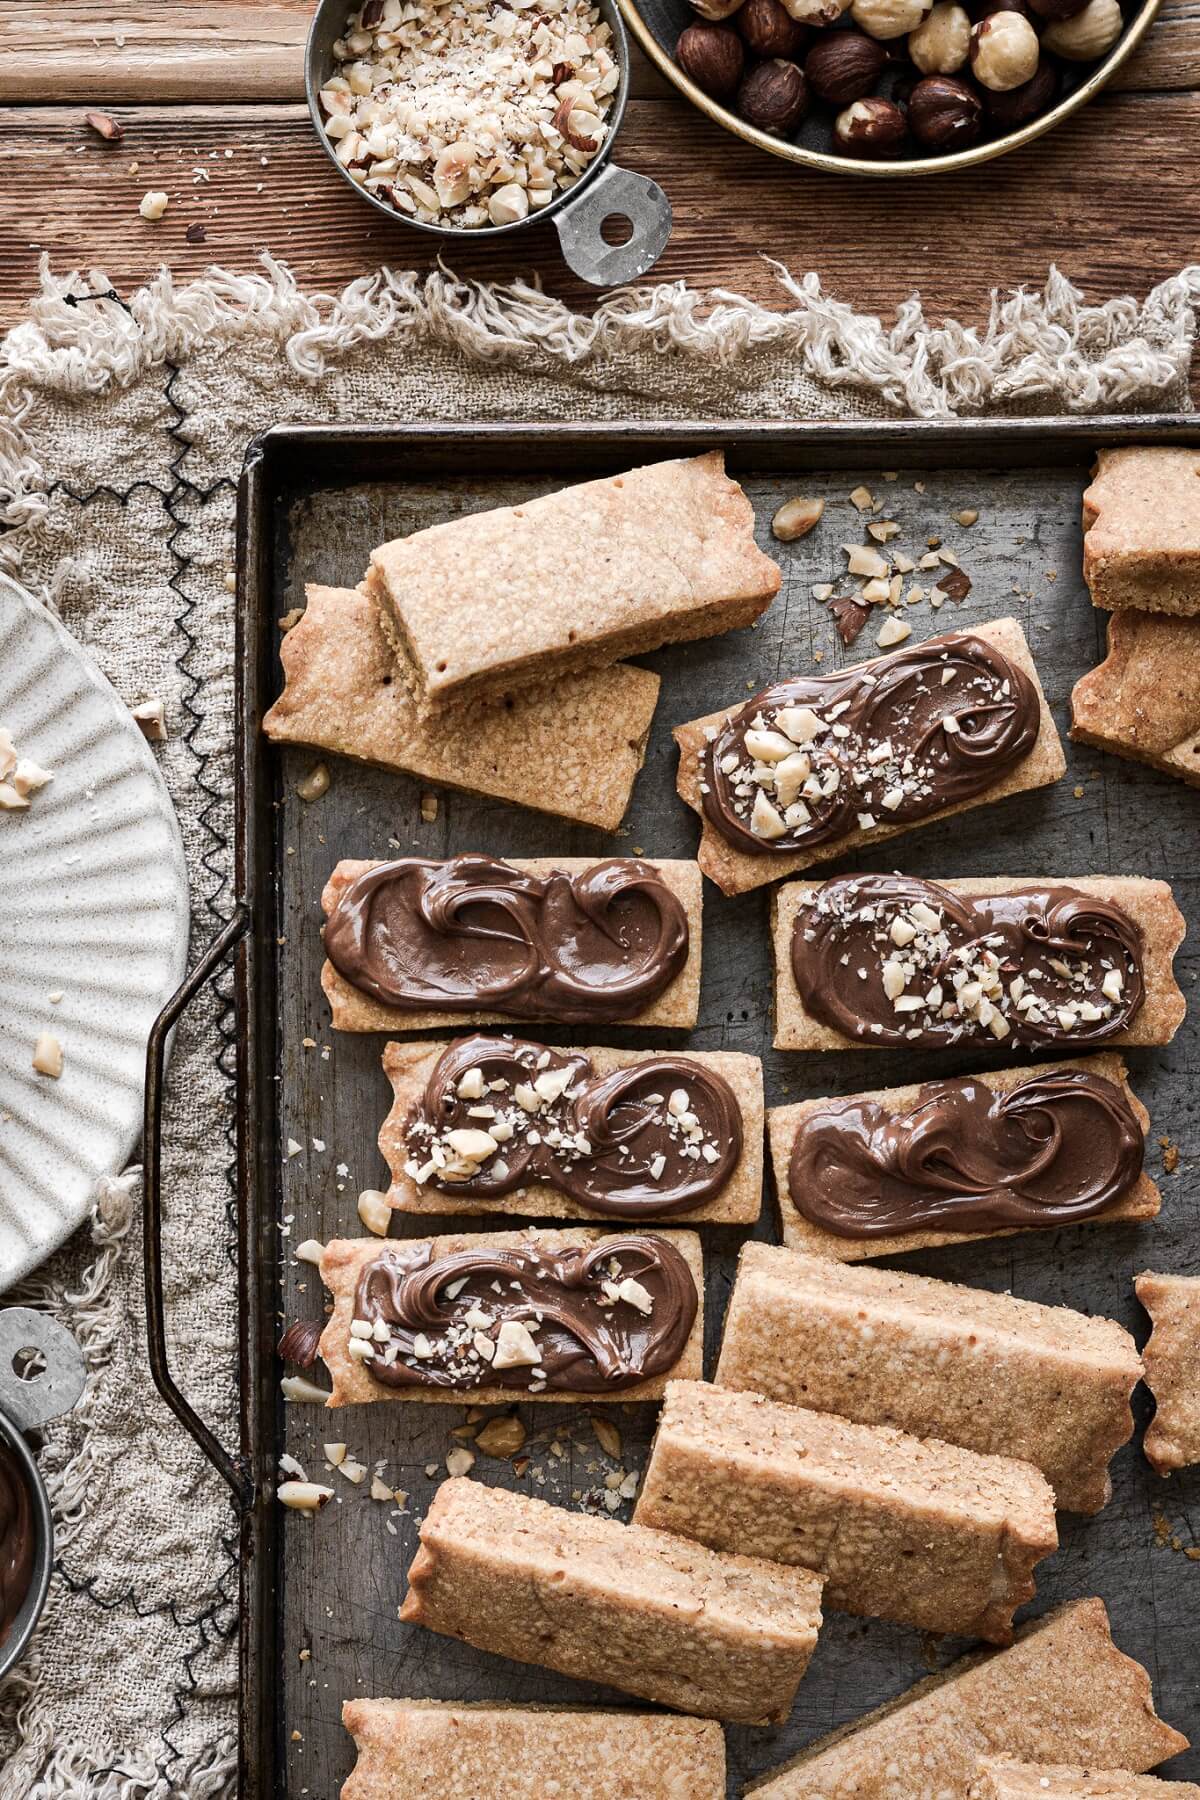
210, 95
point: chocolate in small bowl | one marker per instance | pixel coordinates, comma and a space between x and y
17, 1541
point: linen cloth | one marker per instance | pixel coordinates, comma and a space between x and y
123, 424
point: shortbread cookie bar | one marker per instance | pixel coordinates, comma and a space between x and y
887, 961
1141, 524
884, 1172
1004, 1377
572, 751
728, 1637
580, 577
813, 768
440, 1750
1063, 1689
476, 941
1172, 1369
899, 1528
1002, 1778
625, 1135
1143, 701
495, 1316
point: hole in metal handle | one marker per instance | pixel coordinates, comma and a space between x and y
588, 228
42, 1370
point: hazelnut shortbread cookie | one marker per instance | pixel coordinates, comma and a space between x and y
493, 1123
888, 961
898, 1527
1141, 524
728, 1637
490, 1317
443, 1750
612, 567
1143, 701
573, 751
1005, 1377
1172, 1360
476, 941
1063, 1689
911, 1168
816, 767
1003, 1778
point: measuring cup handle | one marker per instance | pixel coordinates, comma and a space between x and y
618, 192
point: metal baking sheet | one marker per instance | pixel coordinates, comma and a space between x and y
314, 502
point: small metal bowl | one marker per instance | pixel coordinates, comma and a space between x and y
604, 191
656, 24
24, 1405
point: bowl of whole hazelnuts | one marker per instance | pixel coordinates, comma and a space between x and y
888, 87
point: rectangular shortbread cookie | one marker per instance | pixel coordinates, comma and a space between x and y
1143, 700
1063, 1689
583, 576
1141, 525
1172, 1359
345, 1258
728, 1637
899, 1528
739, 1202
1149, 904
439, 1750
737, 871
1001, 1778
677, 1007
1005, 1377
1142, 1201
573, 751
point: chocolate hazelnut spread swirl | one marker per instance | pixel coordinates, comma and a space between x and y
891, 960
657, 1137
1059, 1147
886, 744
474, 934
16, 1541
593, 1321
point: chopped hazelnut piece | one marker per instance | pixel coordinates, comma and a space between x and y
48, 1056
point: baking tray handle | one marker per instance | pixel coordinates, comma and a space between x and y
235, 1469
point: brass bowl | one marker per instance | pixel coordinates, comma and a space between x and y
656, 25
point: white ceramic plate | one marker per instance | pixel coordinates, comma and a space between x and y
93, 906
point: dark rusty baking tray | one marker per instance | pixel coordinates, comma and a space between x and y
313, 500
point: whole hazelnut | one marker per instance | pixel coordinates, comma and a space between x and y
1007, 112
767, 30
815, 12
944, 114
870, 128
715, 10
1004, 50
843, 66
712, 56
942, 42
774, 96
886, 19
1089, 34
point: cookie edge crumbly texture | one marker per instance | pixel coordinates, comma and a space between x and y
658, 1751
1142, 1201
1006, 1778
676, 1008
737, 871
974, 1346
1136, 573
1143, 651
704, 490
1095, 1657
343, 1258
1172, 1439
1149, 903
335, 659
408, 1066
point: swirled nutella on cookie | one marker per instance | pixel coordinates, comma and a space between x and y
658, 1136
892, 960
594, 1320
887, 744
474, 933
